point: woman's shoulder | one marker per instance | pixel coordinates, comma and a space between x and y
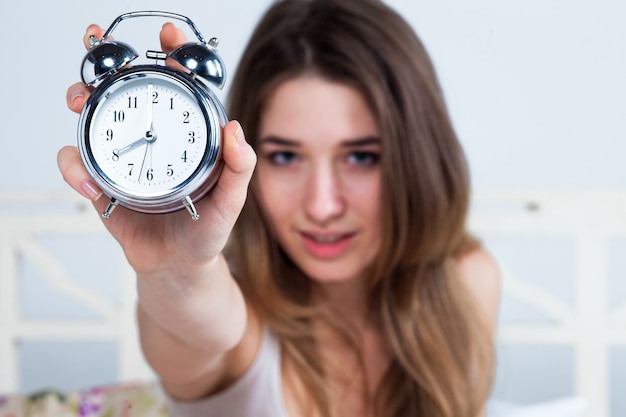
478, 264
480, 273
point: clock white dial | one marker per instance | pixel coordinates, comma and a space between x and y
149, 137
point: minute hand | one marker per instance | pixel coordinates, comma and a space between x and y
150, 107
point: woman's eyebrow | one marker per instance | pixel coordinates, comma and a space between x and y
347, 143
276, 140
365, 141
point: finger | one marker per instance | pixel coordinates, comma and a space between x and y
92, 30
238, 155
239, 162
76, 96
171, 37
75, 174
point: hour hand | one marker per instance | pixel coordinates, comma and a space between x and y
149, 137
128, 148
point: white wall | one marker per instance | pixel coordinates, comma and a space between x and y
536, 88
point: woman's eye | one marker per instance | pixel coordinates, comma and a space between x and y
362, 158
282, 158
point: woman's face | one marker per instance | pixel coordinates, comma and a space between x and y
319, 177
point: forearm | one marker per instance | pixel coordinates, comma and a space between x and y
187, 322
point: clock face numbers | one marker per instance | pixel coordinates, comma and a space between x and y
148, 135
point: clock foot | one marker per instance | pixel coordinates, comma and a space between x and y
112, 204
190, 208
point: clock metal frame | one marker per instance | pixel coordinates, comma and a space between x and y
199, 182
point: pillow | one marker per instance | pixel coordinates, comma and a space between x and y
131, 400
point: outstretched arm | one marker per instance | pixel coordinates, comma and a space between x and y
192, 316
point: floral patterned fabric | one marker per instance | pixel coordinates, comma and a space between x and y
138, 400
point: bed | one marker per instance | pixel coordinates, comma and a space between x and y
589, 333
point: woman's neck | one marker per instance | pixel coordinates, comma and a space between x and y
346, 300
352, 348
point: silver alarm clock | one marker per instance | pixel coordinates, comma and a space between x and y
150, 135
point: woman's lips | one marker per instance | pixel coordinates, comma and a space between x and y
326, 245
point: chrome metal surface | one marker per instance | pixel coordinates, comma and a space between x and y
104, 59
201, 60
148, 13
188, 203
107, 212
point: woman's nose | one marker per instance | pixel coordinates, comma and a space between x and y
324, 200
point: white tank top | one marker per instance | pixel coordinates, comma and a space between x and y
258, 393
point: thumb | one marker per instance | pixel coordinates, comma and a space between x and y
239, 162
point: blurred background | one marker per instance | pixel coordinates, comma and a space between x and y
537, 93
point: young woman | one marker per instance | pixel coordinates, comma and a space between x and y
339, 279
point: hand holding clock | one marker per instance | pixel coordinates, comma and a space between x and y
154, 242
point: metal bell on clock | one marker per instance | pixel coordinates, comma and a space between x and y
105, 58
202, 60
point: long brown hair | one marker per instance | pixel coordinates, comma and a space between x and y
441, 353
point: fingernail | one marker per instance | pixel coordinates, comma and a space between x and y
241, 139
74, 94
90, 190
